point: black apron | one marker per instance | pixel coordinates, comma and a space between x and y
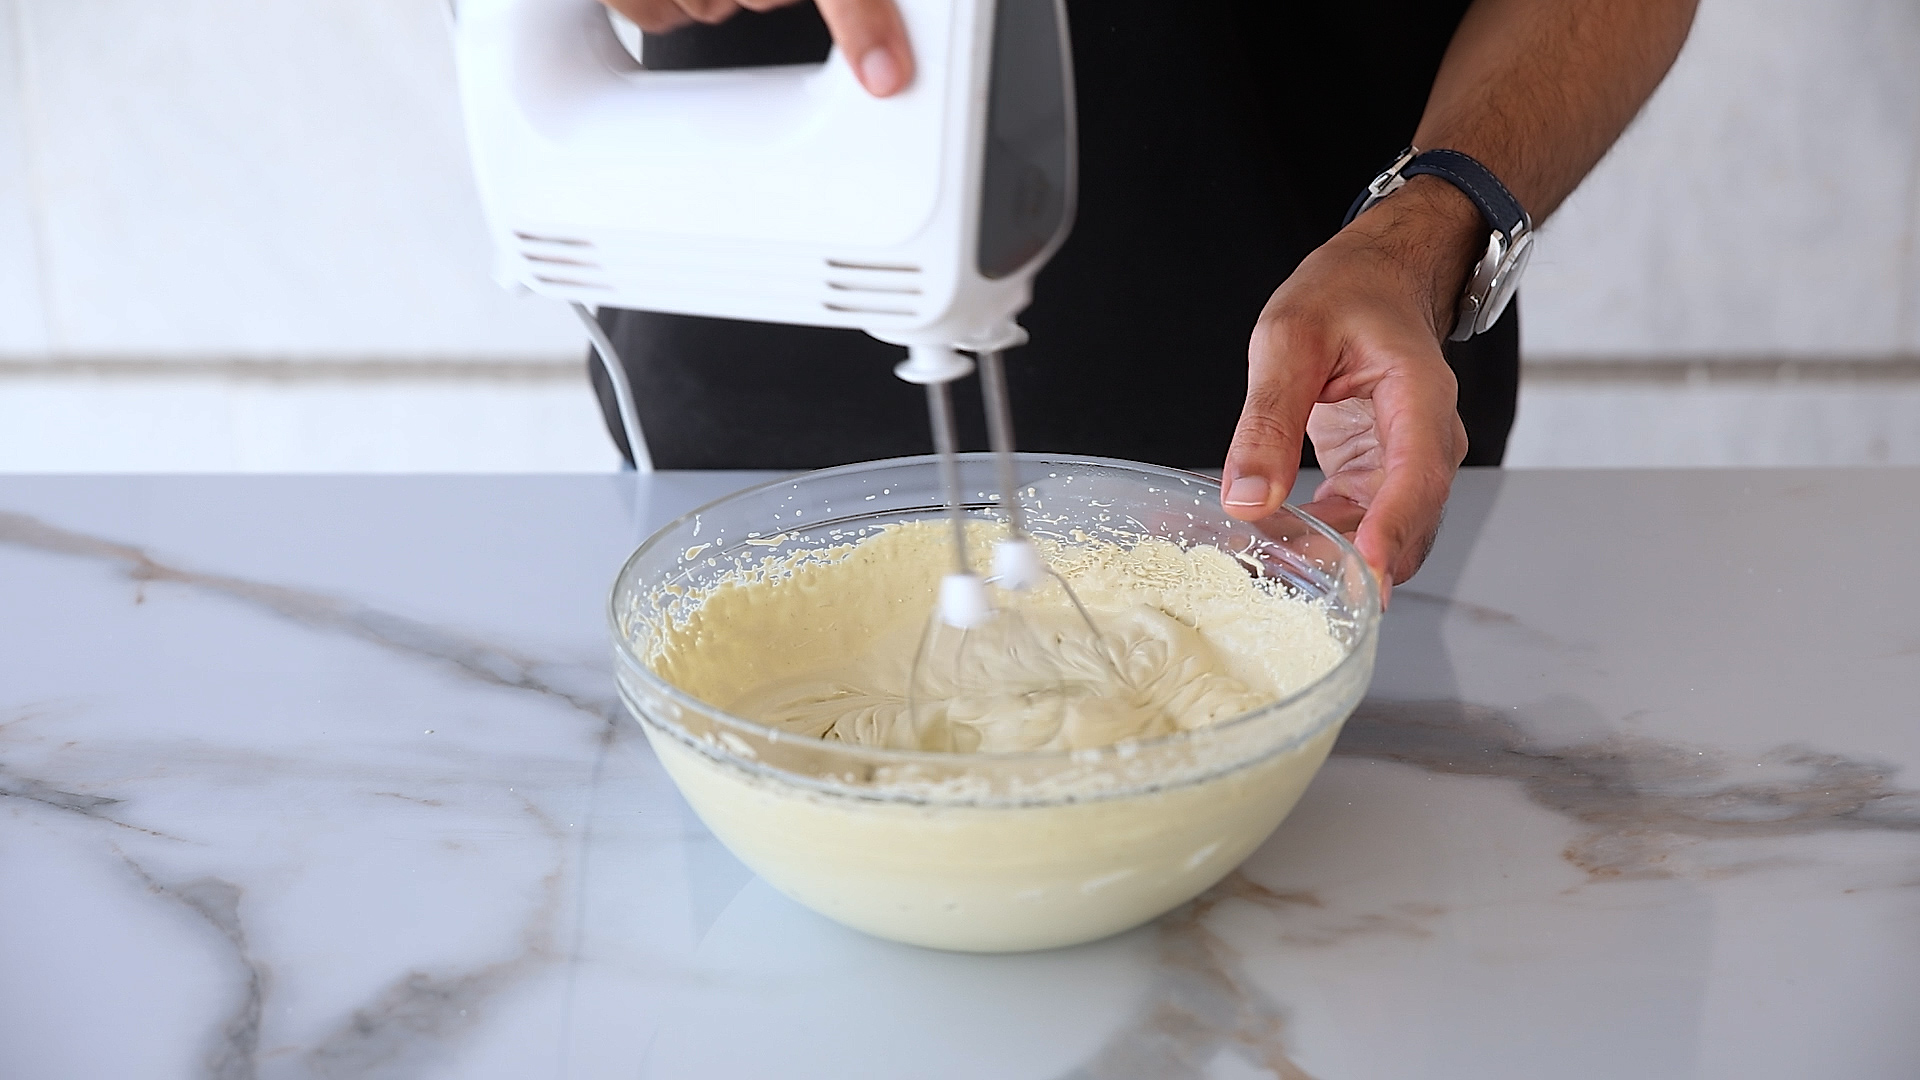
1217, 148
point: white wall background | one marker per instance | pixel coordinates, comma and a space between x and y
1739, 281
240, 234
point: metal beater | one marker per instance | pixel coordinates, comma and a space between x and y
973, 652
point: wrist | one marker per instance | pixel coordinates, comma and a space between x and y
1433, 234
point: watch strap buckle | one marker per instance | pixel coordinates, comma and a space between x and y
1382, 186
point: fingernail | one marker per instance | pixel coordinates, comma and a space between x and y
1247, 491
878, 72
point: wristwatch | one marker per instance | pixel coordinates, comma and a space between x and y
1497, 274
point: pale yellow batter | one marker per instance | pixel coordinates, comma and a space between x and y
822, 644
825, 645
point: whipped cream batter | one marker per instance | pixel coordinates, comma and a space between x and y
822, 644
826, 645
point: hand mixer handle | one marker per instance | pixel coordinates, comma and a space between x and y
702, 146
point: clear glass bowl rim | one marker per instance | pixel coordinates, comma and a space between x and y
888, 756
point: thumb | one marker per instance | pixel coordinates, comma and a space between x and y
873, 38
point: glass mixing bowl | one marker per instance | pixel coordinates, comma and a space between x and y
990, 852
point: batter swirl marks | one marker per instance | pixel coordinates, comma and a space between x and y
822, 644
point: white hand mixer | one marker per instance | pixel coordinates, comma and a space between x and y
789, 194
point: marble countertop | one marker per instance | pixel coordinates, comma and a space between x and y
324, 777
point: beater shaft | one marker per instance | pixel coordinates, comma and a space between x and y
993, 387
940, 412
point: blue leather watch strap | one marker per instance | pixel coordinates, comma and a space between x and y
1497, 205
1502, 212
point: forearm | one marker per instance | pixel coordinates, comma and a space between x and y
1537, 90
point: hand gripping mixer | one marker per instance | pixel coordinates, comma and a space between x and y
788, 194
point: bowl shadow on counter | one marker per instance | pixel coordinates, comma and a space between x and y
784, 992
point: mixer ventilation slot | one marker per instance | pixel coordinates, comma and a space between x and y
893, 290
880, 290
557, 260
851, 310
564, 241
846, 264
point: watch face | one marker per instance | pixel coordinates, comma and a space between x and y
1505, 281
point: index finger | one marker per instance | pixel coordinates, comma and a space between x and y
873, 38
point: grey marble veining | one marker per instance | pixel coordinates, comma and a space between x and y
1638, 796
325, 778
